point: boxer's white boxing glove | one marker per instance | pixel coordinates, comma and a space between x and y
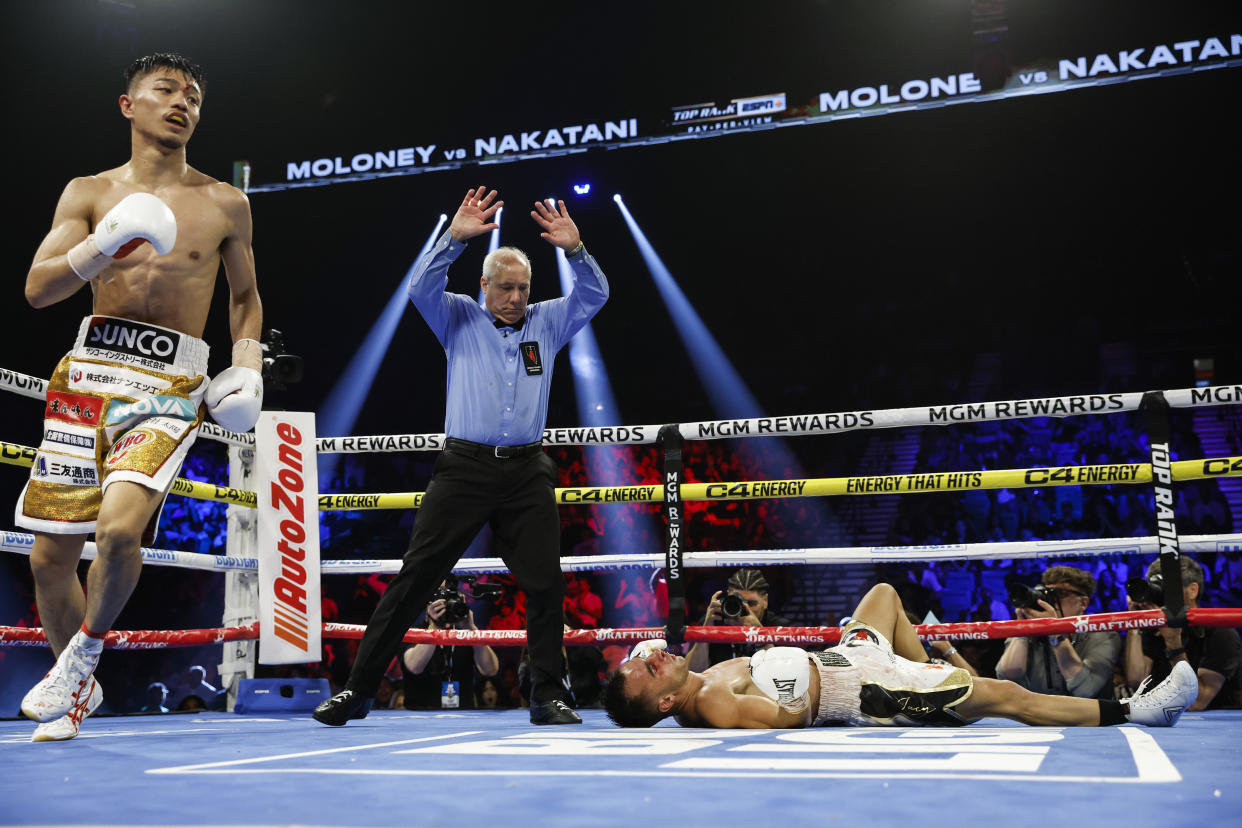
137, 218
235, 397
645, 648
783, 674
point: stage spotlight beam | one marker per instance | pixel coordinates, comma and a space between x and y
339, 411
724, 386
727, 391
597, 406
493, 242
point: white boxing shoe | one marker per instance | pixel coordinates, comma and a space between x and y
1163, 705
66, 727
67, 683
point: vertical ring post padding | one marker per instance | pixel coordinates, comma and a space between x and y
674, 514
1156, 413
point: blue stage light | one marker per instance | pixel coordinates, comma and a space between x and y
582, 189
493, 240
606, 465
339, 412
596, 404
725, 388
729, 395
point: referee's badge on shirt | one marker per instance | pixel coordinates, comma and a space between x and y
530, 357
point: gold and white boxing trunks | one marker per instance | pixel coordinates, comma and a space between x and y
124, 404
863, 682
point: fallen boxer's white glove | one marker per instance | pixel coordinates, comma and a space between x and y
645, 648
783, 674
137, 218
235, 398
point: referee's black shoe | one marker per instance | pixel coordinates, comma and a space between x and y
548, 713
345, 705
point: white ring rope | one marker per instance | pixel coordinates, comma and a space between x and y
21, 543
784, 426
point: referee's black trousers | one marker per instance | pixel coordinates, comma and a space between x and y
468, 490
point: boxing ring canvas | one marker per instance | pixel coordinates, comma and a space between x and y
413, 769
407, 768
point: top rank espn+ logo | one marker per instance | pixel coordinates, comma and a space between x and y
1162, 481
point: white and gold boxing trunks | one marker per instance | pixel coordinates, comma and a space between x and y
863, 682
124, 404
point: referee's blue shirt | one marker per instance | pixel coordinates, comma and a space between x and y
491, 398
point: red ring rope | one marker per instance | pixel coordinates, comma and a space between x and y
138, 639
1139, 619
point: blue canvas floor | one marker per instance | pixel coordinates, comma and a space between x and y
472, 768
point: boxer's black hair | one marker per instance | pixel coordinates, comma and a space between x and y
624, 710
147, 64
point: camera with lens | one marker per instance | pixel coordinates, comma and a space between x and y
280, 368
1146, 591
732, 605
1025, 597
455, 608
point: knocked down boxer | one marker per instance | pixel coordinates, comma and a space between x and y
865, 680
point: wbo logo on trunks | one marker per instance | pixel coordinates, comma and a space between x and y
132, 440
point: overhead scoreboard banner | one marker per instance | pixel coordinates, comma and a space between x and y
288, 538
883, 95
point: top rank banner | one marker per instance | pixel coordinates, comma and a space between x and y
288, 538
939, 86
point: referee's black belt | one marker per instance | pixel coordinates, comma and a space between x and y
503, 452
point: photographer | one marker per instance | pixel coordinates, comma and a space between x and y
1081, 664
744, 603
1215, 653
440, 676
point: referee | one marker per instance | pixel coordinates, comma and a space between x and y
493, 468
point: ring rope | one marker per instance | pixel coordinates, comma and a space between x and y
1198, 544
139, 639
783, 426
976, 630
1103, 475
14, 454
21, 543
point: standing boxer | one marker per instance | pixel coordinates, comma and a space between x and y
124, 405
